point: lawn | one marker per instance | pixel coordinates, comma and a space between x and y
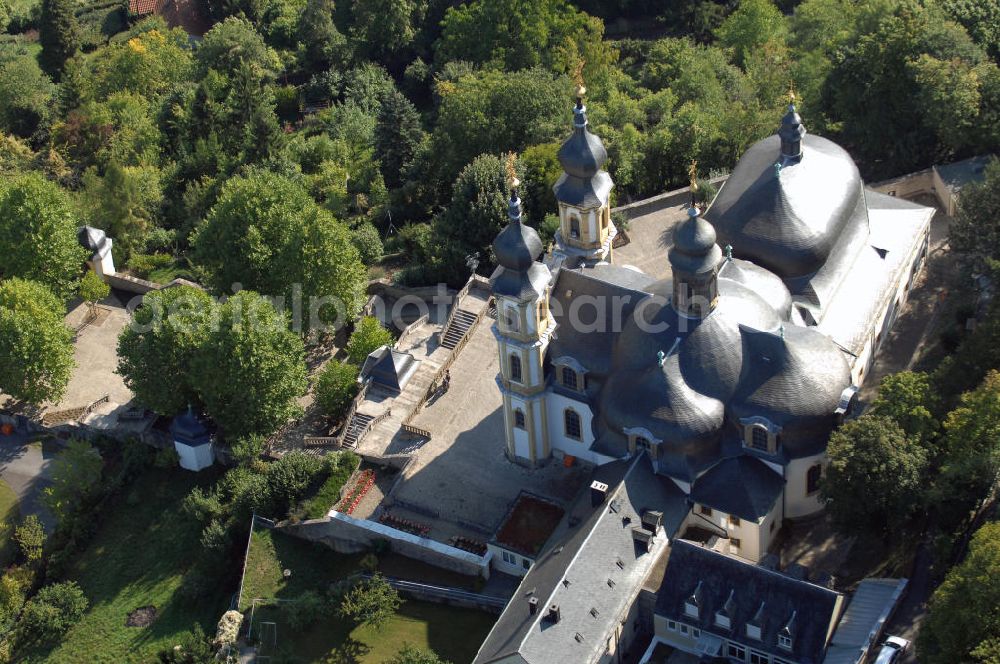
137, 559
453, 633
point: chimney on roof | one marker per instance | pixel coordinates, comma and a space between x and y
598, 493
532, 605
643, 538
652, 520
554, 614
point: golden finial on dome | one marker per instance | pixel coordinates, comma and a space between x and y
512, 171
792, 97
581, 89
693, 175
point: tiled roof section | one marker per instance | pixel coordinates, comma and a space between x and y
743, 486
722, 577
141, 7
575, 566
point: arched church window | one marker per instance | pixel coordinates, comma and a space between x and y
569, 378
519, 418
758, 438
515, 367
572, 423
574, 227
813, 476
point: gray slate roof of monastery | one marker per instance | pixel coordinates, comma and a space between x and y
585, 193
741, 485
869, 608
720, 576
520, 284
389, 368
586, 556
961, 173
767, 285
789, 222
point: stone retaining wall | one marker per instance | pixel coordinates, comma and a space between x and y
345, 534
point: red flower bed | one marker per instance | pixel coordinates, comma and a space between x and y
354, 496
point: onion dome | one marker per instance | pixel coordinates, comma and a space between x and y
583, 153
794, 377
694, 250
517, 249
789, 200
518, 245
584, 183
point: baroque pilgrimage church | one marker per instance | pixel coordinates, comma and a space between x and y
704, 400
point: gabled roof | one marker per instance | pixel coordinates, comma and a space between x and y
746, 587
574, 569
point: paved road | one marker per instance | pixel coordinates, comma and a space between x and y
913, 607
25, 468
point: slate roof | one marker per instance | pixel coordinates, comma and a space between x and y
722, 577
788, 220
586, 556
388, 368
187, 429
743, 486
871, 605
961, 173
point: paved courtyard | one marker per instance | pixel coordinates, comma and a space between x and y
96, 355
651, 235
462, 472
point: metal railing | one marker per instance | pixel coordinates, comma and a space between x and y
355, 402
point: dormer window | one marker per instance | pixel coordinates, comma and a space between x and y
785, 641
753, 627
692, 603
721, 620
787, 633
723, 615
753, 632
642, 440
641, 444
569, 378
760, 434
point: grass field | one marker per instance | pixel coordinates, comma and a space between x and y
453, 633
137, 558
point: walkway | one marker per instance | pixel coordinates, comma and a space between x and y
25, 467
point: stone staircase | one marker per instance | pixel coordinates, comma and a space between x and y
355, 429
457, 329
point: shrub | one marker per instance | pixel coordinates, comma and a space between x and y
371, 602
51, 612
166, 458
30, 538
201, 506
369, 243
215, 537
341, 467
228, 629
368, 335
247, 449
336, 386
143, 264
305, 611
290, 477
194, 648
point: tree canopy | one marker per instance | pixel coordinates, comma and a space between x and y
36, 347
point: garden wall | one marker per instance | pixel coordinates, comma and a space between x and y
345, 534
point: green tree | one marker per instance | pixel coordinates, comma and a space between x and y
541, 170
36, 347
368, 242
304, 611
754, 25
476, 214
336, 386
27, 93
368, 335
38, 234
324, 44
93, 289
119, 129
76, 472
267, 234
412, 655
398, 134
875, 478
371, 602
59, 35
971, 450
289, 478
30, 538
235, 43
166, 333
981, 18
520, 34
909, 398
250, 369
975, 231
51, 612
384, 30
124, 203
152, 60
962, 622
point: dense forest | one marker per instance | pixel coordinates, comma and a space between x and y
339, 127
